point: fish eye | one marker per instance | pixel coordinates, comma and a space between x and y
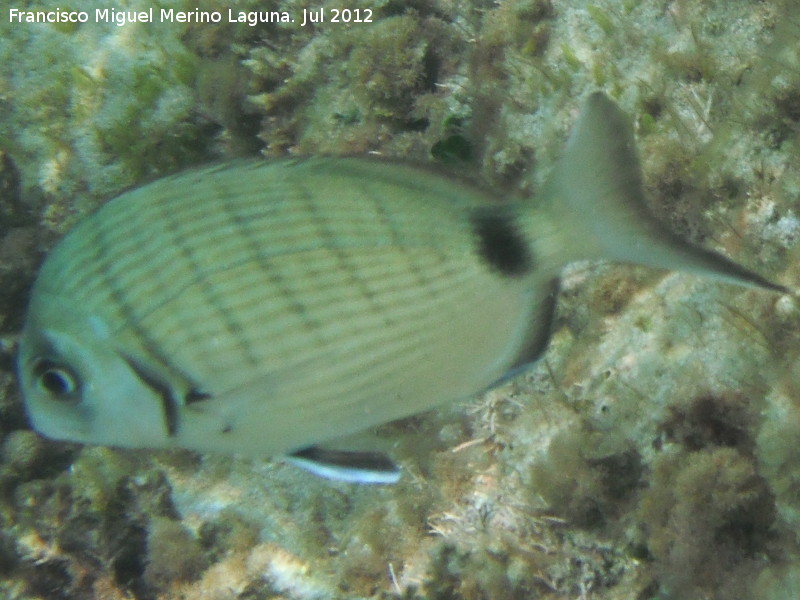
57, 380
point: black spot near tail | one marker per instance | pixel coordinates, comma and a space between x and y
500, 243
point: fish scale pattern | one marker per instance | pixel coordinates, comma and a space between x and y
311, 280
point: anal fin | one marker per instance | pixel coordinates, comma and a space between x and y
349, 466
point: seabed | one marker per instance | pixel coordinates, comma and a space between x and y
653, 452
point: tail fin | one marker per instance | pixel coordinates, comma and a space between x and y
597, 191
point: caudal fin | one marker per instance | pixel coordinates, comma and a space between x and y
597, 192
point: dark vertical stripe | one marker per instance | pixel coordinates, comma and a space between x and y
331, 241
200, 278
401, 244
169, 404
276, 281
120, 298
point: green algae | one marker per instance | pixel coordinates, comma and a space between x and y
662, 400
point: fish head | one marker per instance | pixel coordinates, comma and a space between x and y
76, 383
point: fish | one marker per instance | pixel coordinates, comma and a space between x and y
268, 308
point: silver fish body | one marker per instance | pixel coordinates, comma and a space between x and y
263, 307
259, 307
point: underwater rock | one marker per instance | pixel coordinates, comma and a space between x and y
633, 352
